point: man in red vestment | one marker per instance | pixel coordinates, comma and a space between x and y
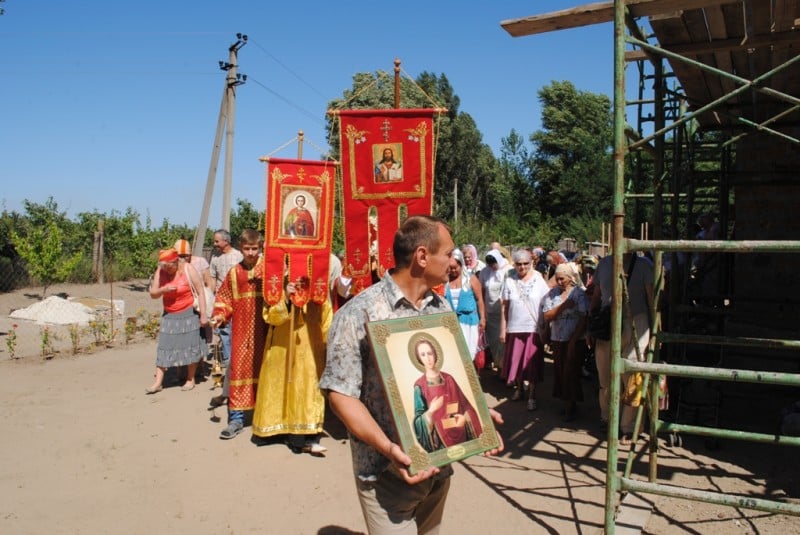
240, 299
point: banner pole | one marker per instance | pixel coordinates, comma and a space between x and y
397, 83
290, 351
300, 144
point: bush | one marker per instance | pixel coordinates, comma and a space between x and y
12, 274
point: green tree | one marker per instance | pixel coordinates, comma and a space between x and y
246, 216
43, 250
572, 168
461, 157
12, 273
129, 246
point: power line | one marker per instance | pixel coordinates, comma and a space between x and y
290, 71
305, 112
105, 33
109, 73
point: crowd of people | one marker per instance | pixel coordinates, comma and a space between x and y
536, 303
283, 362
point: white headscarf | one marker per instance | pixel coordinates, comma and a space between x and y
502, 263
459, 256
570, 270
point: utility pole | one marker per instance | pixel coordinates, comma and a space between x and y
455, 202
225, 122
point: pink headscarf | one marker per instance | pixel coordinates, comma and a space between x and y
471, 248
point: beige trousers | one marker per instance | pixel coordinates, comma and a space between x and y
602, 356
392, 506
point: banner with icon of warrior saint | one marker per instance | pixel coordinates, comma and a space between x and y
298, 229
387, 162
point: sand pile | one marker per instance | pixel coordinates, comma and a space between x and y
60, 311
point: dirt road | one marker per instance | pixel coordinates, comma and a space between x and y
85, 451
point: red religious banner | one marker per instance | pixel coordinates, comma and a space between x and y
387, 159
298, 229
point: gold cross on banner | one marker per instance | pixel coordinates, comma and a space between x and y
385, 128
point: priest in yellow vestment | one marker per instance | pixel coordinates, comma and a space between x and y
289, 401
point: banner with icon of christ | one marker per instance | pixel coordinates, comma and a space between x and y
387, 162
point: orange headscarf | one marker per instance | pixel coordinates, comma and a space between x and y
168, 255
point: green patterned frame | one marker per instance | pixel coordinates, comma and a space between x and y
389, 340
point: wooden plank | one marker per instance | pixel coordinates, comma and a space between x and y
671, 31
784, 15
597, 13
783, 40
719, 33
736, 26
760, 57
695, 22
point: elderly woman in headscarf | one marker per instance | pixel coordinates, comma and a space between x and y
566, 308
521, 328
472, 264
553, 259
463, 291
492, 278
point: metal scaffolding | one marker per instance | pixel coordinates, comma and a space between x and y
681, 164
675, 151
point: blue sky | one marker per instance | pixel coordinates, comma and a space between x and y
108, 105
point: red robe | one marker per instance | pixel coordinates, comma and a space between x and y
443, 435
299, 222
240, 299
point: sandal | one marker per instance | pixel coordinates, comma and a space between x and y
150, 390
187, 386
315, 449
626, 439
217, 401
233, 429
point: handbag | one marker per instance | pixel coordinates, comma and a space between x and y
600, 323
207, 293
663, 393
632, 394
546, 334
480, 355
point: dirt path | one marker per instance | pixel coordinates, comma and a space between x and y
85, 451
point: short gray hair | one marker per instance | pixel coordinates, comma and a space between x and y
224, 234
521, 255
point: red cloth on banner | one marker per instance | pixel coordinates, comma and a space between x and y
387, 159
298, 229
